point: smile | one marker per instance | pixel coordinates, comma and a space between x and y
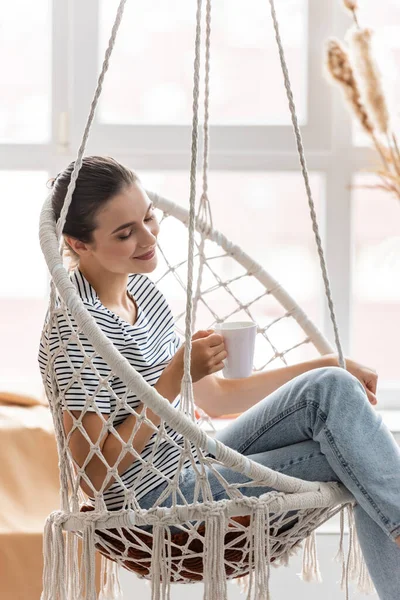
146, 256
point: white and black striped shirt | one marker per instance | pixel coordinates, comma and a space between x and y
148, 345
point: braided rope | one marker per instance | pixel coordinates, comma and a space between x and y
204, 212
304, 170
187, 397
93, 106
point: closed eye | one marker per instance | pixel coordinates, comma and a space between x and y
126, 237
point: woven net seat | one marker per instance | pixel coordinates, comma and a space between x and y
248, 533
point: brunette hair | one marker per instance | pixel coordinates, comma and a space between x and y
100, 178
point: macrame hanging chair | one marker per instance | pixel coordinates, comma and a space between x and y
207, 540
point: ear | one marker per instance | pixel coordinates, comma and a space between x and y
77, 246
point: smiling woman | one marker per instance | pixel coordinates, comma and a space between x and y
111, 222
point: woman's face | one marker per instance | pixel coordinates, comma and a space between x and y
126, 231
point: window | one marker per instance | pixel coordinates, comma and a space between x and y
376, 284
158, 90
25, 43
24, 280
144, 120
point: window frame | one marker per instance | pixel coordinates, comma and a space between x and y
327, 139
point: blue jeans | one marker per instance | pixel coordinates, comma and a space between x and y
320, 427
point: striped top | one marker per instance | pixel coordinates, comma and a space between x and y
148, 345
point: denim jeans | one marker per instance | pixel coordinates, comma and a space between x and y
320, 427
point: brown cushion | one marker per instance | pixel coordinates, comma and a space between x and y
191, 568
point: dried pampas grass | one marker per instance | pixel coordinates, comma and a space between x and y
355, 71
350, 4
339, 68
369, 78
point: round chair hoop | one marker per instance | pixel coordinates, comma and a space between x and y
133, 547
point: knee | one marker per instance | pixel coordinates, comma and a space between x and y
335, 379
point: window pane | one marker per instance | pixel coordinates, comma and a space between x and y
267, 215
384, 18
25, 45
24, 280
150, 77
376, 285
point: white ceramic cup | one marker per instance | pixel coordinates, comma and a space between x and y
239, 339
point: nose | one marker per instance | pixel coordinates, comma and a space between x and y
147, 238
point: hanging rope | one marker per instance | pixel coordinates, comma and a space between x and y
304, 170
81, 151
204, 212
187, 398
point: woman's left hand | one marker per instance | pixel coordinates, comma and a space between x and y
368, 377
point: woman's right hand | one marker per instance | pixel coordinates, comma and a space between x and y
208, 352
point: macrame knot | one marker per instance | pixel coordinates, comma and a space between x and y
210, 509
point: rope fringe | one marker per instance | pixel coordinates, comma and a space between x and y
161, 570
47, 558
54, 582
214, 556
261, 553
110, 585
353, 566
89, 561
72, 566
310, 568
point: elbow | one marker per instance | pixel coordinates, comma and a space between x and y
210, 410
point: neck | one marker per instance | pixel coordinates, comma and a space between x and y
110, 287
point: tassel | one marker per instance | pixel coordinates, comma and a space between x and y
341, 558
72, 566
248, 580
310, 568
214, 556
47, 558
89, 560
364, 581
58, 575
243, 583
353, 560
357, 569
156, 561
167, 567
261, 547
54, 583
110, 585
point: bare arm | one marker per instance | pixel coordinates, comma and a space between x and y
217, 396
168, 386
207, 356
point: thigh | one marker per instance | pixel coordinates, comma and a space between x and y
276, 421
303, 460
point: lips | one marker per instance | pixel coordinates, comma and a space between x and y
146, 256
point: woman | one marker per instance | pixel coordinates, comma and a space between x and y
310, 420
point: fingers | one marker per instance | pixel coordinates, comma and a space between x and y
215, 339
221, 355
371, 397
372, 383
202, 333
218, 367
